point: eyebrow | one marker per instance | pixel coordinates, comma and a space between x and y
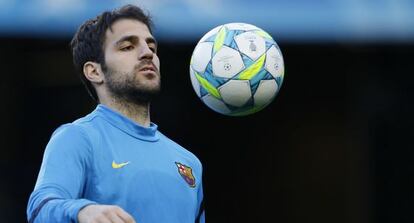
134, 39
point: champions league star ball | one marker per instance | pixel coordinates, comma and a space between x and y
236, 69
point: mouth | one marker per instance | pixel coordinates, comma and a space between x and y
148, 68
148, 71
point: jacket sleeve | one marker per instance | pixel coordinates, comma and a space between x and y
200, 197
62, 177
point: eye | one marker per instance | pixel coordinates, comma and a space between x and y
153, 48
127, 48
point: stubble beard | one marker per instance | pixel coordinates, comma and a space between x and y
126, 88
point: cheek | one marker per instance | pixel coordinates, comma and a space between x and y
156, 62
121, 63
111, 61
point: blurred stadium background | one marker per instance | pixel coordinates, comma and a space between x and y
336, 145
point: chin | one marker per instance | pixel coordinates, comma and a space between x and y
152, 84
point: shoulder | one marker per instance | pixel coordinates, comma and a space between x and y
69, 132
69, 137
83, 127
181, 151
79, 133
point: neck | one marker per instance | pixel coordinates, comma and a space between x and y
137, 112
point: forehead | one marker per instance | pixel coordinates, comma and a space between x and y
126, 27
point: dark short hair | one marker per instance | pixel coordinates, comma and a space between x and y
87, 43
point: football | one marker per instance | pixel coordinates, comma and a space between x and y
236, 69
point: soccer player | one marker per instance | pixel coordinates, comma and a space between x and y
113, 165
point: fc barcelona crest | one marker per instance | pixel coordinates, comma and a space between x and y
187, 173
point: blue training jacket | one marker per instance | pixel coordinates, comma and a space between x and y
106, 158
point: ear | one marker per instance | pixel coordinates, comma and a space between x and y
93, 72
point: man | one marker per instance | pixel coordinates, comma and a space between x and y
113, 165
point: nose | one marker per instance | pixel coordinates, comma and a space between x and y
145, 52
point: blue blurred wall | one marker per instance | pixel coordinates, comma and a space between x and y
184, 20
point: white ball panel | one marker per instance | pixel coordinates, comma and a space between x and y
227, 62
274, 62
215, 104
201, 56
195, 83
265, 92
236, 92
240, 26
209, 34
251, 44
